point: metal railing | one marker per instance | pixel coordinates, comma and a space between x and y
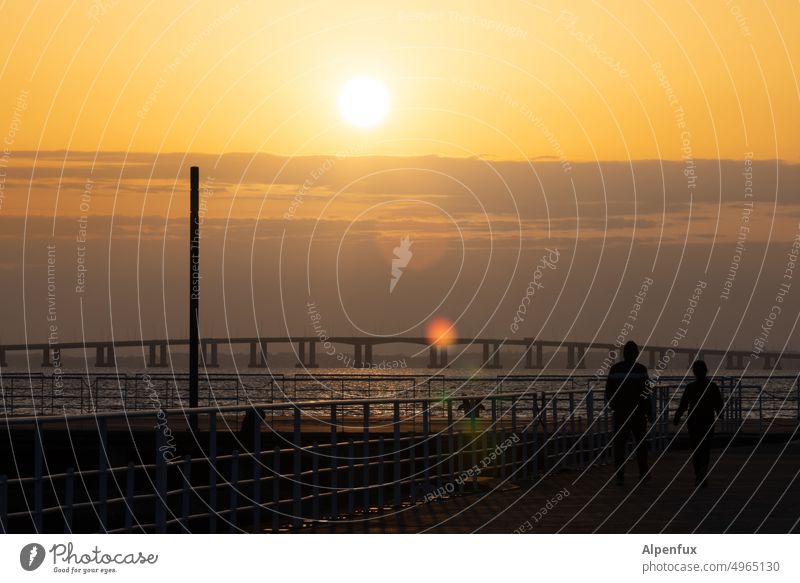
43, 394
279, 466
40, 394
313, 462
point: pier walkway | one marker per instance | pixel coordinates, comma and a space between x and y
752, 489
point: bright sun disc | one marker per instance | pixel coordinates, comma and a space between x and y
363, 102
440, 331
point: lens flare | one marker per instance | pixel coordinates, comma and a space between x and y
440, 331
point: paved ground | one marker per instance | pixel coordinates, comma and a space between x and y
751, 490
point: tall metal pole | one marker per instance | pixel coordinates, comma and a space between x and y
194, 290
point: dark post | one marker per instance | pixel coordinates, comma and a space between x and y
194, 289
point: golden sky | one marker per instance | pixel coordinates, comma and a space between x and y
499, 112
507, 80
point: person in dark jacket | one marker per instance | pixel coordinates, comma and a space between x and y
702, 399
628, 395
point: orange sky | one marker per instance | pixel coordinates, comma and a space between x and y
499, 112
507, 80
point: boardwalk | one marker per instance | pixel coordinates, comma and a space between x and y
747, 494
365, 465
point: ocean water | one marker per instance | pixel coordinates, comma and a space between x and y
563, 392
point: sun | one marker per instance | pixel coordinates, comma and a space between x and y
440, 331
364, 102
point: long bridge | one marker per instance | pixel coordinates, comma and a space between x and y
362, 348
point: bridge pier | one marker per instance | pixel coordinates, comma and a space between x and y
496, 357
210, 360
695, 356
152, 361
734, 361
104, 356
575, 355
258, 355
358, 359
367, 356
771, 362
437, 356
491, 360
46, 357
3, 362
301, 354
581, 356
529, 355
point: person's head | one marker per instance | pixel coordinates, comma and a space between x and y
630, 352
700, 369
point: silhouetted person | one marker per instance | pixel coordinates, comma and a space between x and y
702, 399
471, 406
628, 396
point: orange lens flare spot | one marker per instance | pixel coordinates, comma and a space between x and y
440, 332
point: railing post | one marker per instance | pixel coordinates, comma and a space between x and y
233, 492
573, 436
102, 475
366, 458
4, 504
665, 419
450, 442
460, 451
535, 415
513, 435
607, 435
426, 430
161, 481
739, 396
396, 447
212, 472
257, 515
590, 425
129, 494
412, 469
186, 492
297, 501
69, 499
351, 483
276, 488
334, 481
38, 453
315, 482
572, 412
545, 439
439, 471
381, 461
